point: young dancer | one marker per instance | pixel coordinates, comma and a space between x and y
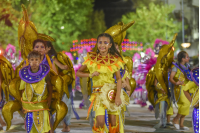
36, 94
181, 78
102, 64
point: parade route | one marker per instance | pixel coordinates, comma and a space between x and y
140, 120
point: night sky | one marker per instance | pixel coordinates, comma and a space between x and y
113, 9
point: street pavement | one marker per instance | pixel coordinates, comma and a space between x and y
140, 120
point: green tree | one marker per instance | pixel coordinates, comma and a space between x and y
96, 25
64, 20
9, 19
151, 22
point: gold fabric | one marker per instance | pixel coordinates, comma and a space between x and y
39, 89
160, 72
7, 75
38, 118
44, 122
27, 33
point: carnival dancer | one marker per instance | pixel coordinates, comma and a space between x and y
157, 82
184, 85
36, 94
53, 54
102, 64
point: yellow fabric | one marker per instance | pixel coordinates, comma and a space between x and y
183, 104
101, 111
170, 110
190, 86
106, 70
46, 126
37, 89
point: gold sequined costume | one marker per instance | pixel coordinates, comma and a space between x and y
27, 33
160, 72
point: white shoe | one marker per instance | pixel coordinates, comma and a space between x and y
184, 128
4, 128
177, 126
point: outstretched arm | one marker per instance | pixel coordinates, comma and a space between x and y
50, 89
80, 72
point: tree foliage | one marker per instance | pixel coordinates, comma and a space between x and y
64, 20
9, 19
151, 22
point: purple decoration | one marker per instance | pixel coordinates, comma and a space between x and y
186, 70
29, 121
195, 120
29, 77
150, 108
81, 105
106, 119
2, 104
195, 75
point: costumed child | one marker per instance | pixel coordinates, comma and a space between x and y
181, 78
107, 98
40, 46
36, 94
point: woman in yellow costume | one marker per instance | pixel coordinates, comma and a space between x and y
36, 94
107, 97
184, 85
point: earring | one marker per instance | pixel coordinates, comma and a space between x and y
97, 51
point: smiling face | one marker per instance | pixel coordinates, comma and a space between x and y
34, 62
103, 44
40, 47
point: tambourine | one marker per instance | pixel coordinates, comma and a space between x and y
111, 95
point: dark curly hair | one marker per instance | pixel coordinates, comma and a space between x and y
113, 49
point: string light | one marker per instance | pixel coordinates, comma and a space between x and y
126, 45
